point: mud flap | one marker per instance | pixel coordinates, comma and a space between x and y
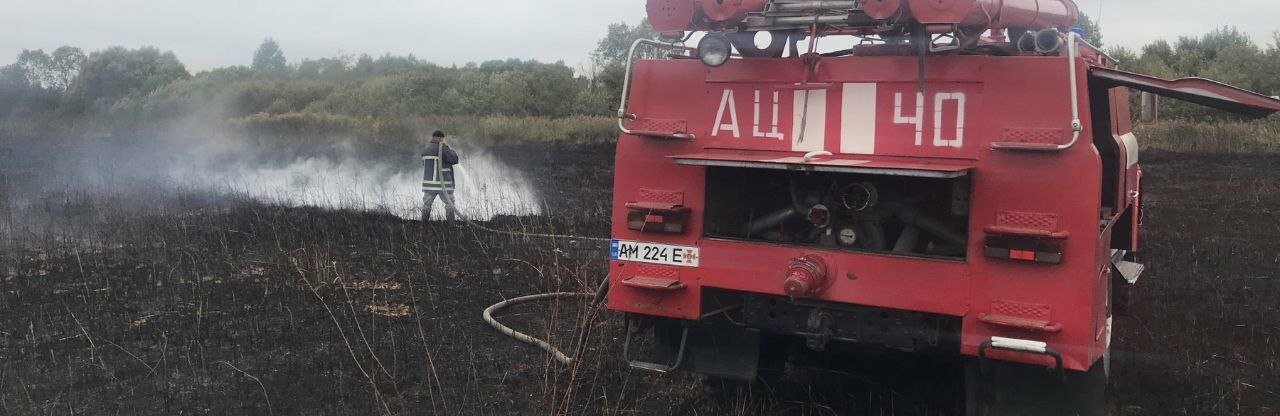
713, 347
1005, 388
725, 350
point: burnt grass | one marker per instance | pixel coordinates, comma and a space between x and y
195, 304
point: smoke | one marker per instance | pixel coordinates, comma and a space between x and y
486, 186
65, 187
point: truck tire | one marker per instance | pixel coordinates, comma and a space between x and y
775, 351
1014, 389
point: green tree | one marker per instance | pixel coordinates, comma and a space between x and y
23, 85
1271, 74
51, 71
610, 56
389, 64
36, 66
1092, 31
13, 79
308, 69
1225, 54
115, 73
324, 68
364, 65
1122, 54
14, 88
66, 62
1194, 54
1238, 65
1160, 50
269, 58
613, 49
551, 86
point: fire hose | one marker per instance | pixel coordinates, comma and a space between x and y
596, 298
478, 226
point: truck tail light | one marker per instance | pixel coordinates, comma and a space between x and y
1025, 247
647, 217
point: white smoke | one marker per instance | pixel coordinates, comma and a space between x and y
486, 186
86, 183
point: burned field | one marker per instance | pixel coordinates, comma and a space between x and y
195, 304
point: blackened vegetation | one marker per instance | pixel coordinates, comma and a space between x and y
1203, 337
125, 303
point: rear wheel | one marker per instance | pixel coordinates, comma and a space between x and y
1013, 389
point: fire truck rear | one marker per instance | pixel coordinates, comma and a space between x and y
954, 177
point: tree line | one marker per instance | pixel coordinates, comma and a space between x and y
120, 89
1225, 54
127, 90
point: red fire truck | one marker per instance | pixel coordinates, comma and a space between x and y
937, 176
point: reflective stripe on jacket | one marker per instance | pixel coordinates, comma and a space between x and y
437, 164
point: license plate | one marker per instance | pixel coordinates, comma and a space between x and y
652, 253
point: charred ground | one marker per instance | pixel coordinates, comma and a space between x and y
124, 302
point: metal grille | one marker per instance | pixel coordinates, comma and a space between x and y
658, 125
1021, 310
657, 271
1027, 220
1039, 136
666, 197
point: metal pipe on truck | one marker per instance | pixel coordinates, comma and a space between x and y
1025, 14
678, 15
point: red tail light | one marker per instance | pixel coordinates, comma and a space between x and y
657, 218
1025, 248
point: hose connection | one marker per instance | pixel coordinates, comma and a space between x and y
806, 277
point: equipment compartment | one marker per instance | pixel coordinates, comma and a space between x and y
914, 216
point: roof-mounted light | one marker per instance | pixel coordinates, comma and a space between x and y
714, 49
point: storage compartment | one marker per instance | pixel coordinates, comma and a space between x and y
905, 215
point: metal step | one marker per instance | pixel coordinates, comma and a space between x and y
1130, 271
649, 366
654, 283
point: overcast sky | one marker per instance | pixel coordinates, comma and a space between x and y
213, 33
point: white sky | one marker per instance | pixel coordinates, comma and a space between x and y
213, 33
1134, 23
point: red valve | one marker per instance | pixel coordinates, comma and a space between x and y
806, 276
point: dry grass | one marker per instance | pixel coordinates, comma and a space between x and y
505, 130
485, 131
1222, 137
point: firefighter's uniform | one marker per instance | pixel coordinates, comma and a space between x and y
437, 178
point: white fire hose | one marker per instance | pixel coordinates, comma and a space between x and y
546, 346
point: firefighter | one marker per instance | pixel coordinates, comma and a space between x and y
437, 177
